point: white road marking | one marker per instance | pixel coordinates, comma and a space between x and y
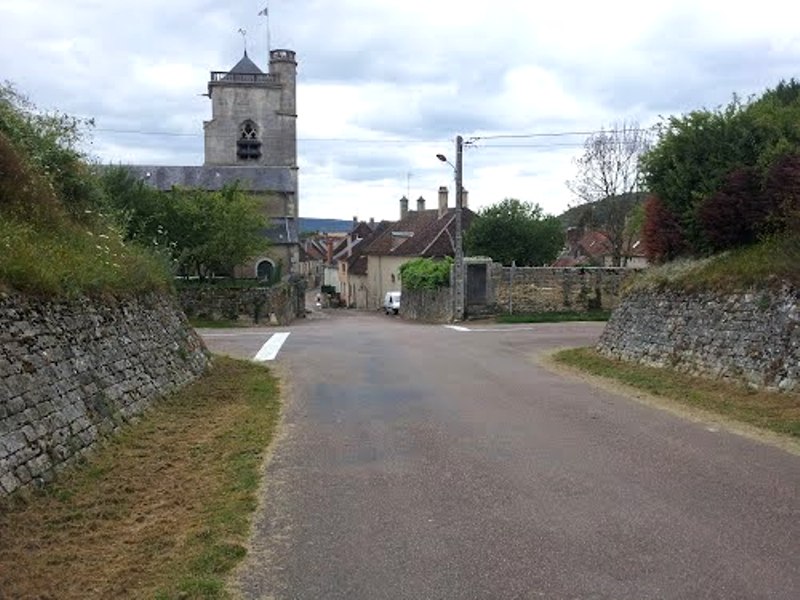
502, 329
457, 328
271, 347
207, 334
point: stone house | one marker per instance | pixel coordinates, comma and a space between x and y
353, 284
251, 140
428, 233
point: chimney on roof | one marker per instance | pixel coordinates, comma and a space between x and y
330, 249
573, 238
372, 222
420, 204
355, 222
403, 208
442, 200
464, 198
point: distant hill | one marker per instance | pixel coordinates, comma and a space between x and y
310, 225
595, 212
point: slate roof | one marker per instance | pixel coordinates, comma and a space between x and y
282, 230
357, 261
245, 67
253, 179
431, 235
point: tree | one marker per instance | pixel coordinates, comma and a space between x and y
608, 172
513, 230
204, 233
737, 213
691, 166
661, 233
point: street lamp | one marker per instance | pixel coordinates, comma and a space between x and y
458, 300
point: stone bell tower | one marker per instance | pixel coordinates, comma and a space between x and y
253, 114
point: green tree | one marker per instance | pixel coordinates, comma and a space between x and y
203, 233
513, 230
698, 152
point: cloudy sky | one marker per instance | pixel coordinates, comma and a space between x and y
385, 85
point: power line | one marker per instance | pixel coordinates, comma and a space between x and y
472, 139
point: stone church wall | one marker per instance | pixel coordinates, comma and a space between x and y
72, 372
753, 337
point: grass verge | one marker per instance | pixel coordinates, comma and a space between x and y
771, 262
555, 317
160, 511
772, 411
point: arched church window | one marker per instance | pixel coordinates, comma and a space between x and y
248, 146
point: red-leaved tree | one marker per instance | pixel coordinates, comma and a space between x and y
661, 233
736, 214
782, 187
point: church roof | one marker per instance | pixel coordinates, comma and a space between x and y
251, 178
246, 67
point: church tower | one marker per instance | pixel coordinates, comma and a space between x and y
253, 114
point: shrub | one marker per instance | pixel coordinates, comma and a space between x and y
426, 273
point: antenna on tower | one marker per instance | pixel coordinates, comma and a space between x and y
265, 13
244, 38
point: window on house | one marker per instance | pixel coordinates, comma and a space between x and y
248, 146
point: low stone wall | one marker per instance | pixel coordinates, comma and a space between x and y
754, 337
430, 306
521, 290
73, 372
278, 305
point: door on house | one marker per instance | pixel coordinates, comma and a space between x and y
476, 284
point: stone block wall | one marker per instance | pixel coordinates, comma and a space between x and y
753, 337
430, 306
72, 372
279, 304
547, 289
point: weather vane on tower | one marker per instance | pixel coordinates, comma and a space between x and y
244, 38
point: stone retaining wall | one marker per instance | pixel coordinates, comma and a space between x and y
73, 372
754, 337
520, 290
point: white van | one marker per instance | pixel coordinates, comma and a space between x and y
391, 303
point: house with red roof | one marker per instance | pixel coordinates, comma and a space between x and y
428, 233
592, 248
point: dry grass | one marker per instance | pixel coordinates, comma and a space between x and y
162, 511
771, 411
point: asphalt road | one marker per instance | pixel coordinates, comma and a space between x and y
423, 462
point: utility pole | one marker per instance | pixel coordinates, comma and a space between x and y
459, 249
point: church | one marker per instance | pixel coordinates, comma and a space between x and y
251, 139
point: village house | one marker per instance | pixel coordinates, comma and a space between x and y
428, 233
592, 248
